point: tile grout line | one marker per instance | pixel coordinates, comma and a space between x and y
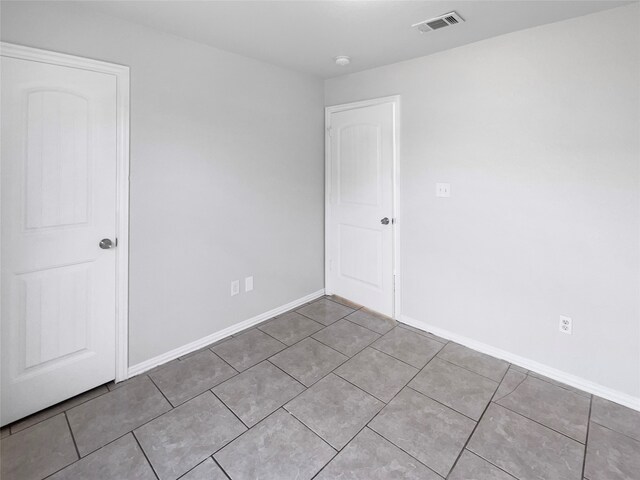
380, 335
292, 377
200, 393
231, 410
367, 328
321, 298
94, 451
444, 405
383, 438
428, 335
328, 346
136, 427
228, 443
355, 386
268, 359
193, 468
165, 397
359, 388
401, 361
617, 432
484, 459
145, 454
226, 363
264, 419
220, 467
496, 400
52, 406
349, 357
305, 426
541, 424
465, 368
73, 438
128, 431
586, 438
258, 325
382, 409
555, 383
475, 427
269, 335
305, 388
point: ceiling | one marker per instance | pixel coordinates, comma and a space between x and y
307, 35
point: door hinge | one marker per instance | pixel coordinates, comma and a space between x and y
330, 131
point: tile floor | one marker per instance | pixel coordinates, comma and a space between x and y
330, 391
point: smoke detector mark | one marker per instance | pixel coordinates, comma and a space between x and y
446, 20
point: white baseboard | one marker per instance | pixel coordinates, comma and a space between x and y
553, 373
214, 337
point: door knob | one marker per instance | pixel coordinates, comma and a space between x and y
385, 221
106, 243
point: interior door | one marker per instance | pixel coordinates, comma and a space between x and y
360, 226
58, 202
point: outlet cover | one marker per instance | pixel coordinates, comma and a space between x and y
248, 284
566, 325
443, 189
235, 288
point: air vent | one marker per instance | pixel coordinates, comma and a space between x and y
446, 20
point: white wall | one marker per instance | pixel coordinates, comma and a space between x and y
538, 133
226, 174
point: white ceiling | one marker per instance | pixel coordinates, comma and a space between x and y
307, 35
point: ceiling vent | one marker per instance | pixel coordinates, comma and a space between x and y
446, 20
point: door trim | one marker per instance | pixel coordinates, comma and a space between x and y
121, 74
395, 101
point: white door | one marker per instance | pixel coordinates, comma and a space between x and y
58, 201
360, 216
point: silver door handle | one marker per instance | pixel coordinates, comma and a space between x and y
385, 221
106, 243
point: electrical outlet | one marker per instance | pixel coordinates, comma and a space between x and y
443, 189
566, 325
235, 288
248, 284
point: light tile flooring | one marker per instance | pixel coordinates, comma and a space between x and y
329, 391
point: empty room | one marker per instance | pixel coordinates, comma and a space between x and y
294, 240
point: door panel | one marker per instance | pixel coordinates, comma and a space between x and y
358, 160
357, 247
56, 304
361, 195
57, 183
58, 201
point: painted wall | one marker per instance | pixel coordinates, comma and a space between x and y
226, 174
538, 133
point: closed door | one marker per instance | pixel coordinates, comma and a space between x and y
58, 201
360, 216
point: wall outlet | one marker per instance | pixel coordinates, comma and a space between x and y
443, 189
235, 288
566, 325
248, 284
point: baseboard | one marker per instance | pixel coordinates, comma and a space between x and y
214, 337
553, 373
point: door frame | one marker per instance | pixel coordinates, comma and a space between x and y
394, 100
121, 73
